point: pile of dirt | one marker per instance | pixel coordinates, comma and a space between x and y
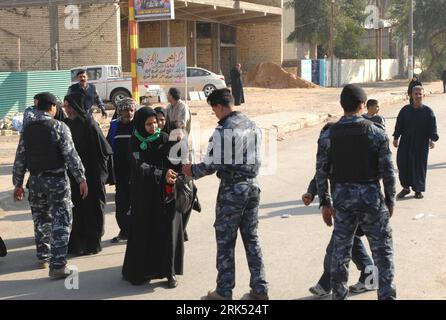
272, 76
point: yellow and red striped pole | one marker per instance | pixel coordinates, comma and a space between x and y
133, 32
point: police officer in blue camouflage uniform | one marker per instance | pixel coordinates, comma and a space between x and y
238, 196
30, 113
46, 149
355, 153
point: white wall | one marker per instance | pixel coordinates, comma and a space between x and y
361, 71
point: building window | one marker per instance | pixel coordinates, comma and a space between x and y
203, 30
227, 34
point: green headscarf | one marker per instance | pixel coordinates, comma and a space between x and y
150, 138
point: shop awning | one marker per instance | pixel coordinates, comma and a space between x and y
226, 11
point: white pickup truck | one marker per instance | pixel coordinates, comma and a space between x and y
109, 82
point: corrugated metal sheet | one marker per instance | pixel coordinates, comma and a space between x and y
17, 89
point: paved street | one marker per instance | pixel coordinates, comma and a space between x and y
293, 247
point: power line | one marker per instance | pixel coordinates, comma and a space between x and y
77, 39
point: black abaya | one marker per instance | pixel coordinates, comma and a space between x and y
237, 87
415, 127
88, 213
155, 247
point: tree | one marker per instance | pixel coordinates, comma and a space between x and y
310, 22
430, 32
313, 21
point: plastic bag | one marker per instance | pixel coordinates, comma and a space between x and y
17, 123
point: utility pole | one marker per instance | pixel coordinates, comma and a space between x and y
332, 44
377, 54
19, 54
134, 44
54, 36
411, 58
381, 30
379, 25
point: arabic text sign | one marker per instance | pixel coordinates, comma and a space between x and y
149, 10
161, 66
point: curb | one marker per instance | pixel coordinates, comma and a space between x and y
299, 124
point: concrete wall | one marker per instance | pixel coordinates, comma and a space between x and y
259, 42
361, 71
288, 23
97, 41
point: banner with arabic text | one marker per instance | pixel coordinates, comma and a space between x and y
152, 10
161, 66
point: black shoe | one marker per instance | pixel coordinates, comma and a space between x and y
403, 193
172, 282
418, 195
258, 296
119, 238
92, 251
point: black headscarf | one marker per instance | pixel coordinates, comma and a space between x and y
76, 101
140, 120
84, 126
160, 110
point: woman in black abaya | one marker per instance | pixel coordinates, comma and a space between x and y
155, 247
94, 151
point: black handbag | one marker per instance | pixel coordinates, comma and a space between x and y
184, 193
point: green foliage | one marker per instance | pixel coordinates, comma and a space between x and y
313, 25
430, 31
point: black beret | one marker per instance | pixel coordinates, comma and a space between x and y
46, 99
351, 95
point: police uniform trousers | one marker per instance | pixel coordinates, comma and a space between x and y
51, 207
237, 208
362, 205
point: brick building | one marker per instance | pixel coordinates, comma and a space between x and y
217, 33
97, 41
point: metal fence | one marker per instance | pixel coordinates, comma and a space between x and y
17, 89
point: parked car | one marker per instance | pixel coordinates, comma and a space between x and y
110, 83
112, 86
199, 79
